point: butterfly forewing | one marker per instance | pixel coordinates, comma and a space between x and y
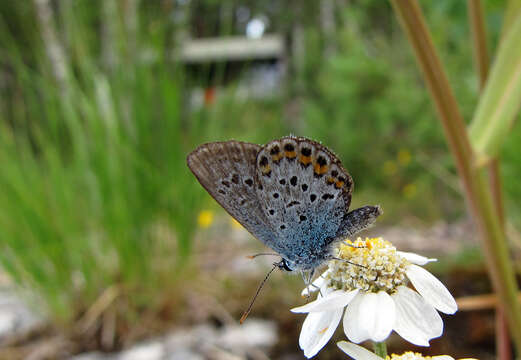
305, 193
227, 171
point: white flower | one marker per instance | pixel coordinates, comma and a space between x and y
358, 352
371, 284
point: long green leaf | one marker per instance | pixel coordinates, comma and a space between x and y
501, 98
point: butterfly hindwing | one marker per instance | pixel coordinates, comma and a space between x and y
227, 171
305, 194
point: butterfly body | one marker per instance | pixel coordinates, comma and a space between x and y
293, 194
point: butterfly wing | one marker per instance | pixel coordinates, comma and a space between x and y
227, 171
305, 194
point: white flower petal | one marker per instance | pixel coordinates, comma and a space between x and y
434, 292
416, 320
442, 357
317, 329
335, 300
415, 258
357, 352
369, 316
317, 284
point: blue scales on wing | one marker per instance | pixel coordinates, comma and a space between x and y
305, 194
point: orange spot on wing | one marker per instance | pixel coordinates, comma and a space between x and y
339, 184
305, 159
276, 157
319, 170
330, 180
266, 169
290, 154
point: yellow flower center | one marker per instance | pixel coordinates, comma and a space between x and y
409, 355
371, 265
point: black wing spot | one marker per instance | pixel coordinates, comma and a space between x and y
261, 187
282, 227
304, 187
275, 195
235, 178
220, 191
282, 181
289, 147
225, 183
263, 161
341, 178
249, 182
312, 197
293, 203
334, 173
293, 181
328, 196
321, 161
272, 212
275, 150
306, 151
303, 218
243, 201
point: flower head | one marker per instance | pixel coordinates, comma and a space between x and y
205, 218
369, 280
358, 352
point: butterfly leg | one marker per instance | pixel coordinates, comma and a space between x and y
307, 276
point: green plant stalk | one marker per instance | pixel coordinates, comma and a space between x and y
380, 349
513, 9
479, 40
478, 197
501, 98
481, 62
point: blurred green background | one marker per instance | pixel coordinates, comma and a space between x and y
102, 100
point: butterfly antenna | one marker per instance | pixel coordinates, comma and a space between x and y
247, 312
349, 262
259, 254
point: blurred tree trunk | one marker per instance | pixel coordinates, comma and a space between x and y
297, 71
53, 48
131, 18
109, 21
181, 12
328, 25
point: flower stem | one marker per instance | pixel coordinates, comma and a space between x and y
478, 196
380, 349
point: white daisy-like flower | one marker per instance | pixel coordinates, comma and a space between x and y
372, 288
358, 352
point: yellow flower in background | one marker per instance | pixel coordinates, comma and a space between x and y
390, 168
404, 157
235, 224
409, 191
205, 218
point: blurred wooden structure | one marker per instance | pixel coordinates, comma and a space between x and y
232, 48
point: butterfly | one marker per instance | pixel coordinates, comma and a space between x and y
293, 194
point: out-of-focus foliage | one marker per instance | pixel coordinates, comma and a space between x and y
94, 189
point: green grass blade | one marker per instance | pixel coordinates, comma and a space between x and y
500, 100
